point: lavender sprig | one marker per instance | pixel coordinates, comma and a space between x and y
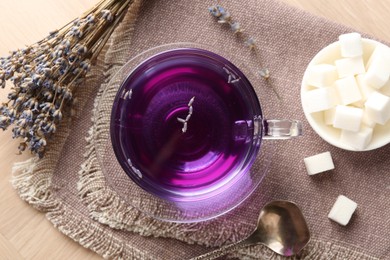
224, 17
45, 75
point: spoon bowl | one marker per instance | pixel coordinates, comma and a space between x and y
281, 227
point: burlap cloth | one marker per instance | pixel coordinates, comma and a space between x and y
93, 209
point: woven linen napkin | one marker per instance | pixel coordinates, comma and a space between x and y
93, 209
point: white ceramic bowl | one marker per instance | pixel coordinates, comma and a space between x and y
328, 55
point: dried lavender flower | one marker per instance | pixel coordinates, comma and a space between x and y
46, 74
251, 43
223, 16
264, 73
215, 10
235, 27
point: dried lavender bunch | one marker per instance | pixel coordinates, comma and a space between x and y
224, 17
44, 76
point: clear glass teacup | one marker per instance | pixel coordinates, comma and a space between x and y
186, 127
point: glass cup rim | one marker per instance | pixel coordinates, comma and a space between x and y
184, 45
152, 186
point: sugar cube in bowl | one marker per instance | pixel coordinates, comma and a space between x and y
374, 85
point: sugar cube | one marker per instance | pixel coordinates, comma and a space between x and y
357, 140
378, 108
377, 75
350, 66
380, 54
348, 118
351, 45
342, 210
329, 116
366, 120
378, 67
348, 90
319, 163
320, 99
322, 75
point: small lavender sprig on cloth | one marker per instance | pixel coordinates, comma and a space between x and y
224, 17
45, 75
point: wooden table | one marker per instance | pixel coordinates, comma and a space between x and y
24, 232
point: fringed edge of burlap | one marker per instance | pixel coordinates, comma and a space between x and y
36, 190
32, 179
33, 183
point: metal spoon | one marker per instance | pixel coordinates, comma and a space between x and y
281, 227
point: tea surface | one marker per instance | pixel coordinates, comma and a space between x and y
181, 122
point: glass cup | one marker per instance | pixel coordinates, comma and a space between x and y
186, 126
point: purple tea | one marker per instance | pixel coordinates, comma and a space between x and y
182, 124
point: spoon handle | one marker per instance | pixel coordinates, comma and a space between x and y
223, 250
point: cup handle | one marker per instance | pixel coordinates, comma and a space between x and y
281, 129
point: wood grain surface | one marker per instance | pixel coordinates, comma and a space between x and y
24, 232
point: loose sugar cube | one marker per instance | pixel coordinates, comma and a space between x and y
329, 116
320, 99
342, 210
322, 75
378, 67
378, 108
351, 45
357, 140
350, 66
348, 118
348, 90
319, 163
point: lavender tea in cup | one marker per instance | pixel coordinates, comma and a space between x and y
185, 124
